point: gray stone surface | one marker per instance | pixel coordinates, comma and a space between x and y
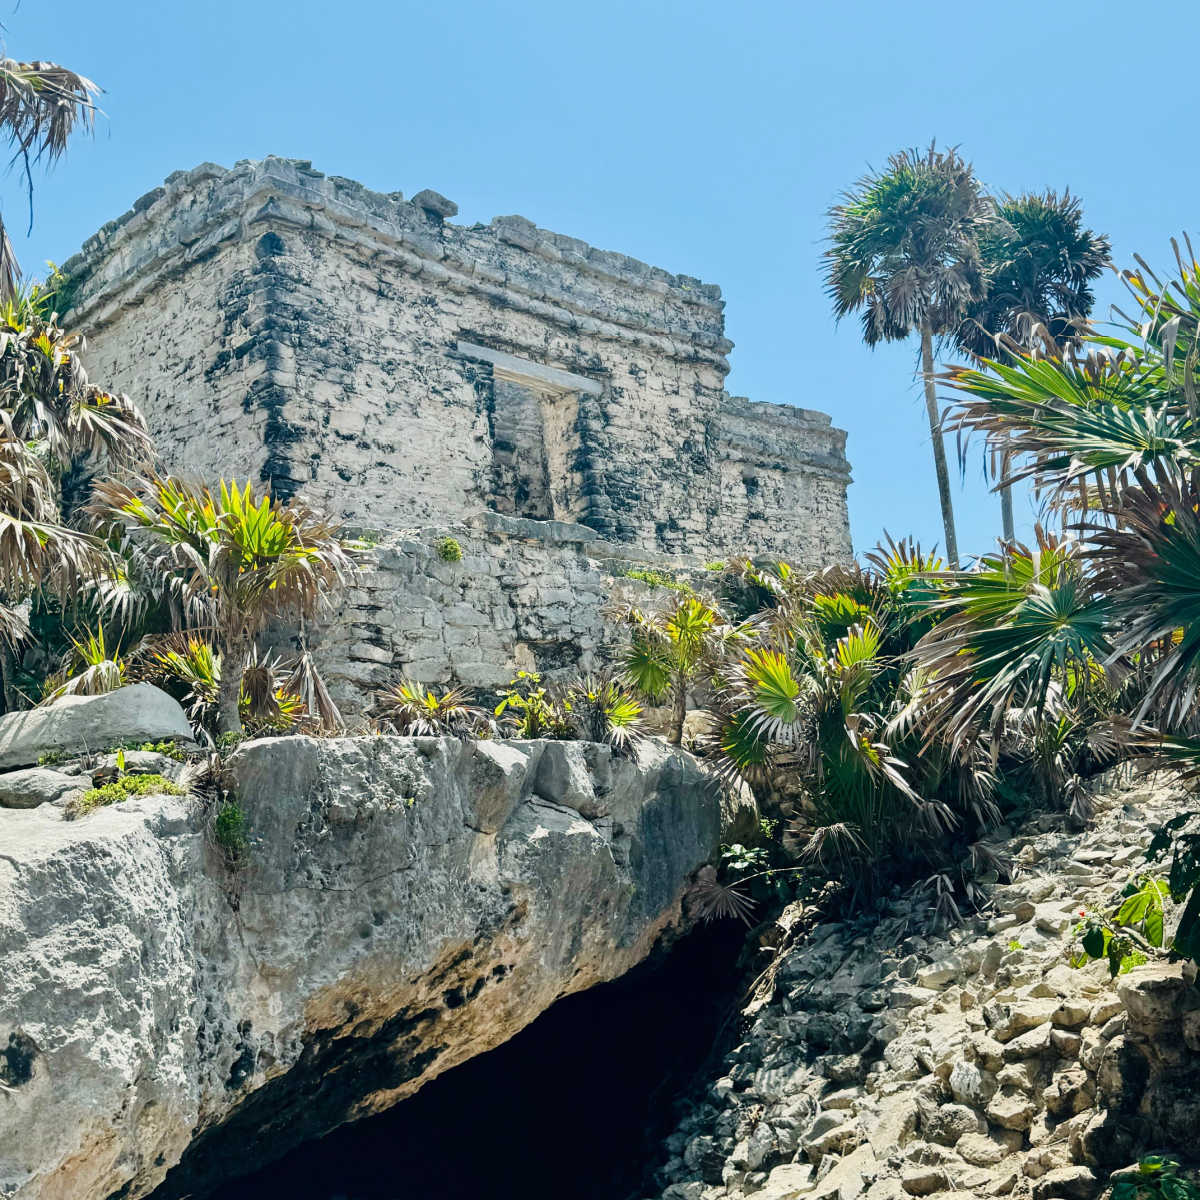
409, 903
32, 786
75, 724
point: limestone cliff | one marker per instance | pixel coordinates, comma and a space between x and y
409, 903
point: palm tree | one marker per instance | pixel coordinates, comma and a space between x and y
674, 648
241, 560
1039, 264
41, 104
905, 252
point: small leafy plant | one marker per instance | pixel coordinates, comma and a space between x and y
229, 741
230, 833
1128, 935
1157, 1177
124, 788
531, 710
52, 758
168, 748
449, 549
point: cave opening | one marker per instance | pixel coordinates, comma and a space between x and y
578, 1104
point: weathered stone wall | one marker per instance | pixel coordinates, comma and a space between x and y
526, 595
404, 370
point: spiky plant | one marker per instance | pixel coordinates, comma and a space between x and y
904, 251
243, 559
414, 710
674, 648
1012, 630
91, 668
604, 711
41, 106
827, 706
188, 667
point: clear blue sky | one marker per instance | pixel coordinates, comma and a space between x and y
707, 138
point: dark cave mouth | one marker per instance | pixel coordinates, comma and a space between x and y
578, 1103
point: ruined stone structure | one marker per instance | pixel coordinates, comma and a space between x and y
278, 324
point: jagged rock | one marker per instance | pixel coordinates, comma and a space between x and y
951, 1121
1032, 1044
970, 1085
1011, 1109
1122, 1075
1066, 1183
1069, 1093
1106, 1141
924, 1181
76, 724
1009, 1020
1156, 995
830, 1133
787, 1182
38, 785
987, 1149
378, 938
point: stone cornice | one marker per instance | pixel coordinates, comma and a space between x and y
510, 262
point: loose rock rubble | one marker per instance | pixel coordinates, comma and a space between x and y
894, 1061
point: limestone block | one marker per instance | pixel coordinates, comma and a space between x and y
37, 785
75, 724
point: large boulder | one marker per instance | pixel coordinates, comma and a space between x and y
32, 786
408, 903
78, 724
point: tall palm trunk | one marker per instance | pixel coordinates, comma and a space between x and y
939, 447
229, 689
1006, 505
678, 713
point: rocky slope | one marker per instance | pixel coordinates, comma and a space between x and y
409, 903
885, 1060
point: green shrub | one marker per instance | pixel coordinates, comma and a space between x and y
169, 748
656, 579
51, 758
124, 788
229, 741
449, 549
716, 564
230, 833
1157, 1176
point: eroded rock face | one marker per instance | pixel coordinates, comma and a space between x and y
410, 903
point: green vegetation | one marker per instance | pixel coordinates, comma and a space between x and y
1157, 1178
674, 648
125, 787
169, 749
449, 549
230, 831
417, 711
236, 559
656, 579
593, 708
918, 248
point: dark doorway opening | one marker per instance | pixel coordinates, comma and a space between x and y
577, 1104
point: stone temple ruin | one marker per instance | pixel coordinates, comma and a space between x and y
558, 409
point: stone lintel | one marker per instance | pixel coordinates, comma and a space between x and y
534, 375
